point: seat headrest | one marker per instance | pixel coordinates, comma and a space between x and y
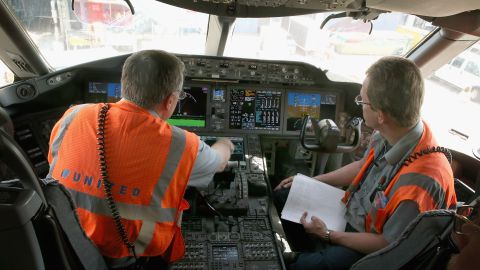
6, 123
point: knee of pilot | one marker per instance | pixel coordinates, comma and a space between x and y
280, 197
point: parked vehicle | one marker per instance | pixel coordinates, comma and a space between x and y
378, 43
463, 71
473, 92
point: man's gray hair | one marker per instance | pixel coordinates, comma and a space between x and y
149, 76
396, 87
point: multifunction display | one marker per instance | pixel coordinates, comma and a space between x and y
101, 89
218, 94
191, 111
239, 150
253, 109
318, 106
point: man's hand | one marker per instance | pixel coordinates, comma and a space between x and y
285, 183
227, 143
316, 226
224, 148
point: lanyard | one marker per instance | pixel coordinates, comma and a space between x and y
380, 186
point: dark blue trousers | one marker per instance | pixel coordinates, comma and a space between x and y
332, 257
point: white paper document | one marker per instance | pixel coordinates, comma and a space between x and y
316, 198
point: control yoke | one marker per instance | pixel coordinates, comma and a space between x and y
328, 135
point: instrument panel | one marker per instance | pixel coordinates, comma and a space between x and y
230, 97
238, 108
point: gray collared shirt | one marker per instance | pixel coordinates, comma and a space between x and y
387, 160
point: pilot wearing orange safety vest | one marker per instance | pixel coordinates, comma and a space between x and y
402, 173
148, 162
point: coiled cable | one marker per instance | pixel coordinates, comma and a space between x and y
107, 184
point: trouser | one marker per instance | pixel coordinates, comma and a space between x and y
296, 236
331, 257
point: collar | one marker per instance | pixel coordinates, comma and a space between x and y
130, 106
127, 104
154, 114
404, 145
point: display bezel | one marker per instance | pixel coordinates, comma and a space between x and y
106, 94
316, 90
105, 78
230, 88
207, 106
285, 91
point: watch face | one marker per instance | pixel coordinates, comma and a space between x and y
326, 236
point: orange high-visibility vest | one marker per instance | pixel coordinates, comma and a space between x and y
434, 165
149, 163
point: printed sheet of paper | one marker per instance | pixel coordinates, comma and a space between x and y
318, 199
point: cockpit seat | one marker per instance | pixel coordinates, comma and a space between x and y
464, 192
39, 228
424, 245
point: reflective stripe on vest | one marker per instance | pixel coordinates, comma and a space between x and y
427, 181
432, 187
57, 141
128, 211
175, 153
150, 214
420, 189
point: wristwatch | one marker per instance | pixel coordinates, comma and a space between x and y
326, 237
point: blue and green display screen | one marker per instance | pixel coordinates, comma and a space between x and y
191, 111
104, 91
318, 106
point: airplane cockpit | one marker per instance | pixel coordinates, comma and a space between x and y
253, 71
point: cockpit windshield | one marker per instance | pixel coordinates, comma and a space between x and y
335, 47
102, 28
98, 29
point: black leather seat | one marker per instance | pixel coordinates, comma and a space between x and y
39, 228
425, 244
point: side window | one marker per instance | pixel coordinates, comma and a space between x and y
472, 67
457, 62
453, 127
6, 75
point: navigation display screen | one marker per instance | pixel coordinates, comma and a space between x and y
191, 111
318, 106
255, 109
218, 94
239, 151
100, 90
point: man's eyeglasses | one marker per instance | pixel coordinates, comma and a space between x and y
463, 223
181, 95
359, 101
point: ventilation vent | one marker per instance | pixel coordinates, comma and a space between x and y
20, 62
26, 139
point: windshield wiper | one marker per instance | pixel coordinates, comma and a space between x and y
343, 15
132, 10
